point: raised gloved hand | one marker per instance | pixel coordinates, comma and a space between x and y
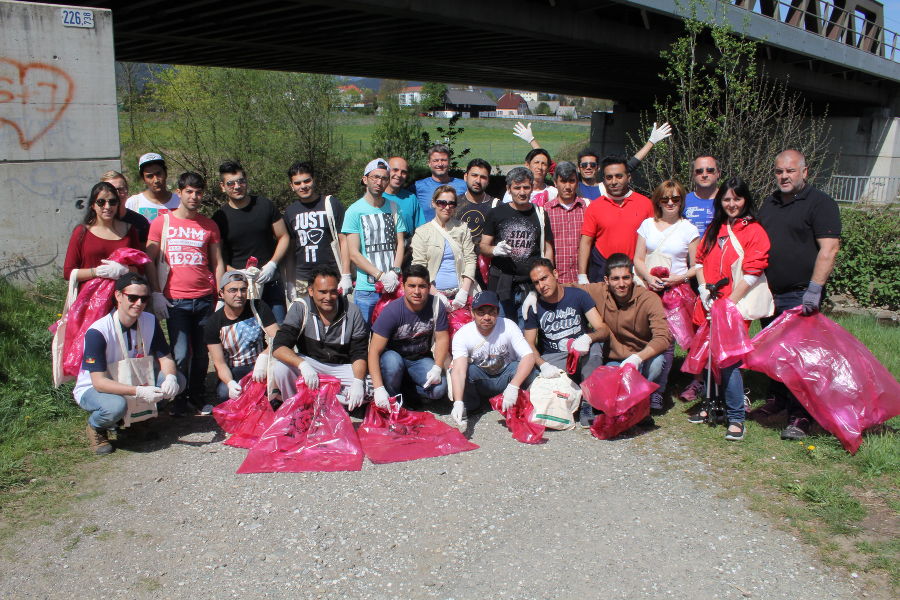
705, 297
161, 306
267, 272
658, 134
169, 387
433, 377
110, 269
633, 360
502, 249
529, 304
582, 343
523, 132
260, 367
510, 395
357, 394
812, 298
234, 389
148, 393
389, 280
583, 279
462, 296
345, 285
382, 400
310, 375
549, 371
459, 413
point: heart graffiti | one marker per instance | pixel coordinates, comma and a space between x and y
33, 98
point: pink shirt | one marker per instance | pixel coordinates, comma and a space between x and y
187, 252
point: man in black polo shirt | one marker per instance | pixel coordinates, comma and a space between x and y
804, 227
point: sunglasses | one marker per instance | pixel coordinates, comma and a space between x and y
588, 165
670, 200
445, 202
708, 170
236, 182
132, 298
101, 202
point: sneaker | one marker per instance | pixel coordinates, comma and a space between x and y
796, 430
99, 440
206, 410
769, 409
734, 436
586, 415
692, 391
698, 417
656, 401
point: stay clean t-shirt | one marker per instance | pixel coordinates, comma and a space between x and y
187, 252
561, 321
522, 231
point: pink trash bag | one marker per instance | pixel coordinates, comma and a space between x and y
833, 375
385, 298
246, 417
95, 300
698, 356
459, 317
518, 419
729, 339
622, 394
678, 303
484, 267
398, 435
311, 432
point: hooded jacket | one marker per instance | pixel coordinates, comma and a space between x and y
342, 342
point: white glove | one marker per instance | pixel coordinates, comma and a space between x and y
459, 413
345, 286
582, 278
433, 377
705, 297
161, 306
110, 269
148, 393
530, 303
261, 366
582, 343
169, 387
633, 360
390, 280
462, 296
549, 371
443, 300
234, 389
510, 395
267, 272
658, 134
309, 375
502, 249
357, 394
523, 132
382, 400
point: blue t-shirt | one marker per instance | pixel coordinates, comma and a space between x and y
591, 192
410, 210
698, 211
560, 322
409, 333
425, 190
377, 228
445, 278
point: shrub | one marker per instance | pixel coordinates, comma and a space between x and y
868, 264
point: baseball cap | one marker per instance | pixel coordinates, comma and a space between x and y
486, 298
130, 279
378, 163
230, 276
149, 158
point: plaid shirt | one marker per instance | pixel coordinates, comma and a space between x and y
566, 226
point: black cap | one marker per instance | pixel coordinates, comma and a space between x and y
130, 279
486, 298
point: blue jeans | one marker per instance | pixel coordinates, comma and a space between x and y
652, 370
777, 389
394, 367
512, 309
237, 373
586, 364
187, 317
108, 409
481, 386
366, 302
273, 296
731, 391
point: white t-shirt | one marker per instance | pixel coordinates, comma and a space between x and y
493, 353
676, 244
139, 203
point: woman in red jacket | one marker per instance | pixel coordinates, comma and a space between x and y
733, 208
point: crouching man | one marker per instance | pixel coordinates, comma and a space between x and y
138, 332
490, 356
402, 339
236, 339
322, 333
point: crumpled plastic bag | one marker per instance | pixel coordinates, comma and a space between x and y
95, 300
833, 375
397, 435
459, 317
518, 419
698, 356
385, 298
246, 417
678, 303
729, 340
623, 394
484, 267
311, 432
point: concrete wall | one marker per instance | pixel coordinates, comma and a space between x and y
868, 144
58, 130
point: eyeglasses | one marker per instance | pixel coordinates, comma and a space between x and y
101, 202
708, 170
379, 177
588, 165
670, 200
446, 202
236, 182
132, 298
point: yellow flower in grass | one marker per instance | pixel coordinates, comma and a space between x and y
810, 448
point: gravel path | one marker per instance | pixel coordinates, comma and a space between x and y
572, 518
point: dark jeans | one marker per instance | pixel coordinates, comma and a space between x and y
512, 308
237, 373
273, 295
482, 386
777, 389
187, 318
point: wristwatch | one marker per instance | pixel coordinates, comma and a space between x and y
396, 270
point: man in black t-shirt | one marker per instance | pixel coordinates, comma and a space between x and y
252, 226
804, 227
314, 221
512, 236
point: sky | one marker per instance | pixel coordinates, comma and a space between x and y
892, 15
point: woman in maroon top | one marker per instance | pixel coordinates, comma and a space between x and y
98, 236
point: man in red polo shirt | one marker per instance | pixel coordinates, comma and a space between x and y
611, 221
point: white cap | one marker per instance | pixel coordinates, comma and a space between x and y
150, 157
378, 163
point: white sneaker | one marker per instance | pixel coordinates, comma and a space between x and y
206, 410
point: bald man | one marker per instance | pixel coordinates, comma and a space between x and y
804, 227
406, 201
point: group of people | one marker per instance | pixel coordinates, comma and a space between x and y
559, 271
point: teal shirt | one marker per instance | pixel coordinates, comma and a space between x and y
377, 229
410, 210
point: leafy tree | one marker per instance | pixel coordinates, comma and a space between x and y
448, 135
542, 109
398, 129
433, 95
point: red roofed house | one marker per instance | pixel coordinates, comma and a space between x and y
511, 105
410, 96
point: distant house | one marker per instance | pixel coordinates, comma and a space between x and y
529, 96
468, 103
410, 96
511, 105
350, 96
567, 112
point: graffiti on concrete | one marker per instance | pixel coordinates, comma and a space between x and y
33, 98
